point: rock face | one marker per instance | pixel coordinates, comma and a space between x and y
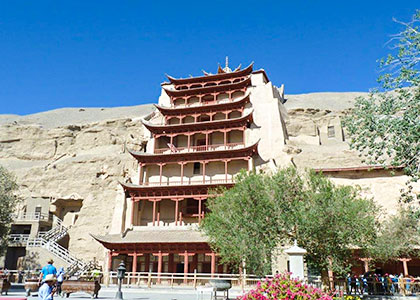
317, 140
81, 163
75, 158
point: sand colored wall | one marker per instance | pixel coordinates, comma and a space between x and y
268, 113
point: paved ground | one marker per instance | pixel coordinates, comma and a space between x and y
156, 293
162, 293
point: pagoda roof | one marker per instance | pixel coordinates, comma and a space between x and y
190, 127
144, 192
215, 155
215, 77
153, 236
208, 89
167, 111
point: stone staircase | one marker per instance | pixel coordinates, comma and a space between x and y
49, 241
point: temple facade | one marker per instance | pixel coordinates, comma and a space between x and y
203, 132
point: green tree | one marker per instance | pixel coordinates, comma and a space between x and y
397, 235
8, 202
242, 225
385, 126
247, 222
333, 221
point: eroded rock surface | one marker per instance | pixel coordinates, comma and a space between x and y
74, 162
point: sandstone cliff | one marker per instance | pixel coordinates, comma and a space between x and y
78, 155
54, 157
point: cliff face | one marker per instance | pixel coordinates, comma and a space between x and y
77, 167
75, 158
317, 140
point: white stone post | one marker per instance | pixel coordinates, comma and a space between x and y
296, 261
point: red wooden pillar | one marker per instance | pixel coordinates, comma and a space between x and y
405, 266
199, 210
182, 172
186, 262
133, 206
204, 171
188, 142
225, 138
160, 173
366, 261
112, 254
176, 211
213, 262
207, 140
226, 170
155, 217
134, 264
243, 135
160, 256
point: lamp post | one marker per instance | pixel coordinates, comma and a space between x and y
120, 275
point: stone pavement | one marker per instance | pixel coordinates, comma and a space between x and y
162, 293
155, 293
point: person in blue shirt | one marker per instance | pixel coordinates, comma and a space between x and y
47, 289
48, 269
60, 279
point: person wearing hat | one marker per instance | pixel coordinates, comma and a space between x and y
47, 289
48, 269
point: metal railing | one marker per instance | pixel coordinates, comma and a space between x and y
31, 217
17, 238
229, 146
48, 240
55, 249
57, 232
187, 181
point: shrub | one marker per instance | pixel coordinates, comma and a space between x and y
282, 286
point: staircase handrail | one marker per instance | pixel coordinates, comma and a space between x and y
56, 249
30, 216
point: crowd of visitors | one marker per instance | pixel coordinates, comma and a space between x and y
377, 284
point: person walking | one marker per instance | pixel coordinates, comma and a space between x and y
47, 289
60, 279
47, 270
401, 285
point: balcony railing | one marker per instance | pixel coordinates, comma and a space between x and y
229, 146
204, 103
17, 238
187, 181
31, 217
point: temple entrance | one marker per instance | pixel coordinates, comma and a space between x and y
206, 268
179, 268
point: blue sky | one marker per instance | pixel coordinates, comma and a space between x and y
112, 53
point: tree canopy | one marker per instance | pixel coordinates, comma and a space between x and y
8, 202
246, 223
397, 237
385, 126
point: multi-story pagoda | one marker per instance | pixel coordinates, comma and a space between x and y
204, 131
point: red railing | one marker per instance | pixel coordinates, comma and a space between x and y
187, 181
200, 148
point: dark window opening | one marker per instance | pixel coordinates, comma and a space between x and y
331, 131
197, 166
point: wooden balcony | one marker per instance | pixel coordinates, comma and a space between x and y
203, 148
